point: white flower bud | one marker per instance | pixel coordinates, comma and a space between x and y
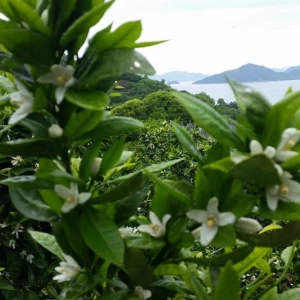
55, 131
95, 167
247, 226
45, 16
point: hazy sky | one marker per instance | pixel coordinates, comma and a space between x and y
211, 36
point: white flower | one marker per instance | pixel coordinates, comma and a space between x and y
71, 196
255, 149
95, 166
30, 258
288, 191
55, 131
247, 225
23, 254
211, 220
141, 293
68, 269
24, 100
156, 228
17, 160
18, 228
289, 139
62, 77
12, 244
124, 231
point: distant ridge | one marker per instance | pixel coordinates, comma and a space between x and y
252, 73
179, 76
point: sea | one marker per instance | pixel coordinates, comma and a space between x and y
274, 91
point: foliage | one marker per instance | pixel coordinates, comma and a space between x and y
70, 194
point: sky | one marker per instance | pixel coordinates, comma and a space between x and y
211, 36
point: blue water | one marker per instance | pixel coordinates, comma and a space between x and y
274, 91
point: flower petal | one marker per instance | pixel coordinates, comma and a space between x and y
68, 206
285, 155
226, 218
255, 147
247, 225
61, 278
212, 206
59, 94
83, 197
197, 215
238, 159
270, 152
154, 219
272, 200
147, 294
197, 233
20, 114
47, 78
61, 191
145, 228
74, 188
207, 234
165, 220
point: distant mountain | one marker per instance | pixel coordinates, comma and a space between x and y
179, 76
280, 69
293, 72
251, 73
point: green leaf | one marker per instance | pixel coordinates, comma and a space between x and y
169, 270
38, 129
93, 100
30, 16
83, 122
224, 165
258, 169
286, 254
228, 286
102, 235
137, 267
152, 169
253, 104
6, 9
187, 142
225, 237
83, 24
30, 148
210, 120
275, 238
251, 261
63, 10
112, 156
114, 62
48, 241
292, 164
6, 85
29, 203
87, 160
292, 294
4, 285
31, 47
169, 188
123, 37
203, 191
28, 181
149, 44
112, 126
279, 118
72, 232
144, 242
198, 288
52, 199
286, 211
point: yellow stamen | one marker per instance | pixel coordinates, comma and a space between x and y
284, 189
153, 227
70, 198
61, 80
289, 145
17, 102
211, 221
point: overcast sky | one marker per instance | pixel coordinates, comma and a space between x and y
210, 36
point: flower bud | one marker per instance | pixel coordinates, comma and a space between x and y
45, 16
55, 131
247, 226
95, 167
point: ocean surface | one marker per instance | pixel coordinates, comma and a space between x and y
274, 91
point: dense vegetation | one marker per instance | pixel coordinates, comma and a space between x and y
206, 207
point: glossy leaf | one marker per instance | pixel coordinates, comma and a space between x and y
102, 236
93, 100
187, 142
292, 294
286, 254
112, 156
170, 269
29, 203
4, 285
143, 242
30, 148
112, 126
258, 169
48, 241
228, 285
6, 85
286, 211
33, 48
198, 288
83, 24
203, 191
28, 181
253, 104
210, 120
